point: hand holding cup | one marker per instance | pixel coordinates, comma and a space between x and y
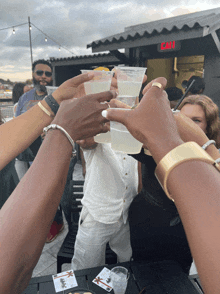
152, 122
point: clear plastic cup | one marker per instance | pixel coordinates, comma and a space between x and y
101, 82
130, 80
119, 277
128, 100
122, 140
51, 89
103, 138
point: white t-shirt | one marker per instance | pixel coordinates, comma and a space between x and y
111, 183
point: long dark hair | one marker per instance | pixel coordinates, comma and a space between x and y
18, 90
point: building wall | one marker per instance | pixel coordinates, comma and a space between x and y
160, 68
212, 77
175, 70
188, 66
63, 73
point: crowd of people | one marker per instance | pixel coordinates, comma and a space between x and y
174, 216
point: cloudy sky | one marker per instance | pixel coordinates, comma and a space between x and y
72, 24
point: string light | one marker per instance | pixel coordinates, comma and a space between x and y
22, 24
30, 28
48, 37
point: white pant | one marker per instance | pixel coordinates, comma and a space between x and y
21, 168
91, 240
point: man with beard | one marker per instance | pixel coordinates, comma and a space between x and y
42, 77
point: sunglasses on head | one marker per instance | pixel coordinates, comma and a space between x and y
41, 72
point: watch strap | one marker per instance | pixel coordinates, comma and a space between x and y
52, 103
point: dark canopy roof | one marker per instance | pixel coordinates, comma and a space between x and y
192, 25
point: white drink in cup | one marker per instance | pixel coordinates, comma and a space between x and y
119, 277
128, 100
100, 83
129, 88
51, 89
103, 138
122, 140
130, 80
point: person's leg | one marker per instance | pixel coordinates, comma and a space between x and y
91, 240
120, 242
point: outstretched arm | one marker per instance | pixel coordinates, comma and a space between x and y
27, 215
194, 185
17, 134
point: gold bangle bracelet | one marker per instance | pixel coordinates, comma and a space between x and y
186, 152
44, 109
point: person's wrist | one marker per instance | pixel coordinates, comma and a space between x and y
159, 149
56, 134
52, 103
70, 130
57, 96
45, 105
213, 151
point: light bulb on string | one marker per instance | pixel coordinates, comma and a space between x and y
13, 32
30, 28
45, 39
59, 48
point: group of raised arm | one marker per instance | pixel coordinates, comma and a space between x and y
194, 185
27, 215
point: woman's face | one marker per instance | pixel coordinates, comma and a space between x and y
196, 113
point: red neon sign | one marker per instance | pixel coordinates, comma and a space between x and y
167, 45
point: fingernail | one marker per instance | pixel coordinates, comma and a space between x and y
104, 113
91, 74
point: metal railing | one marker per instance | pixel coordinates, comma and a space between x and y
6, 111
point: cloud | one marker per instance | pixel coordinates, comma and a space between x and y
16, 76
73, 24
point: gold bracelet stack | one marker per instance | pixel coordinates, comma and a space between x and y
186, 152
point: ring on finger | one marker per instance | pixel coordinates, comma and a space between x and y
156, 84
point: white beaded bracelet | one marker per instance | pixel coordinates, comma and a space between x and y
53, 127
207, 144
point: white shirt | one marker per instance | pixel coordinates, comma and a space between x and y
111, 183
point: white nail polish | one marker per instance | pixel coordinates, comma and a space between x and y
104, 113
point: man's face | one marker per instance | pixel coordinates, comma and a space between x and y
42, 77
